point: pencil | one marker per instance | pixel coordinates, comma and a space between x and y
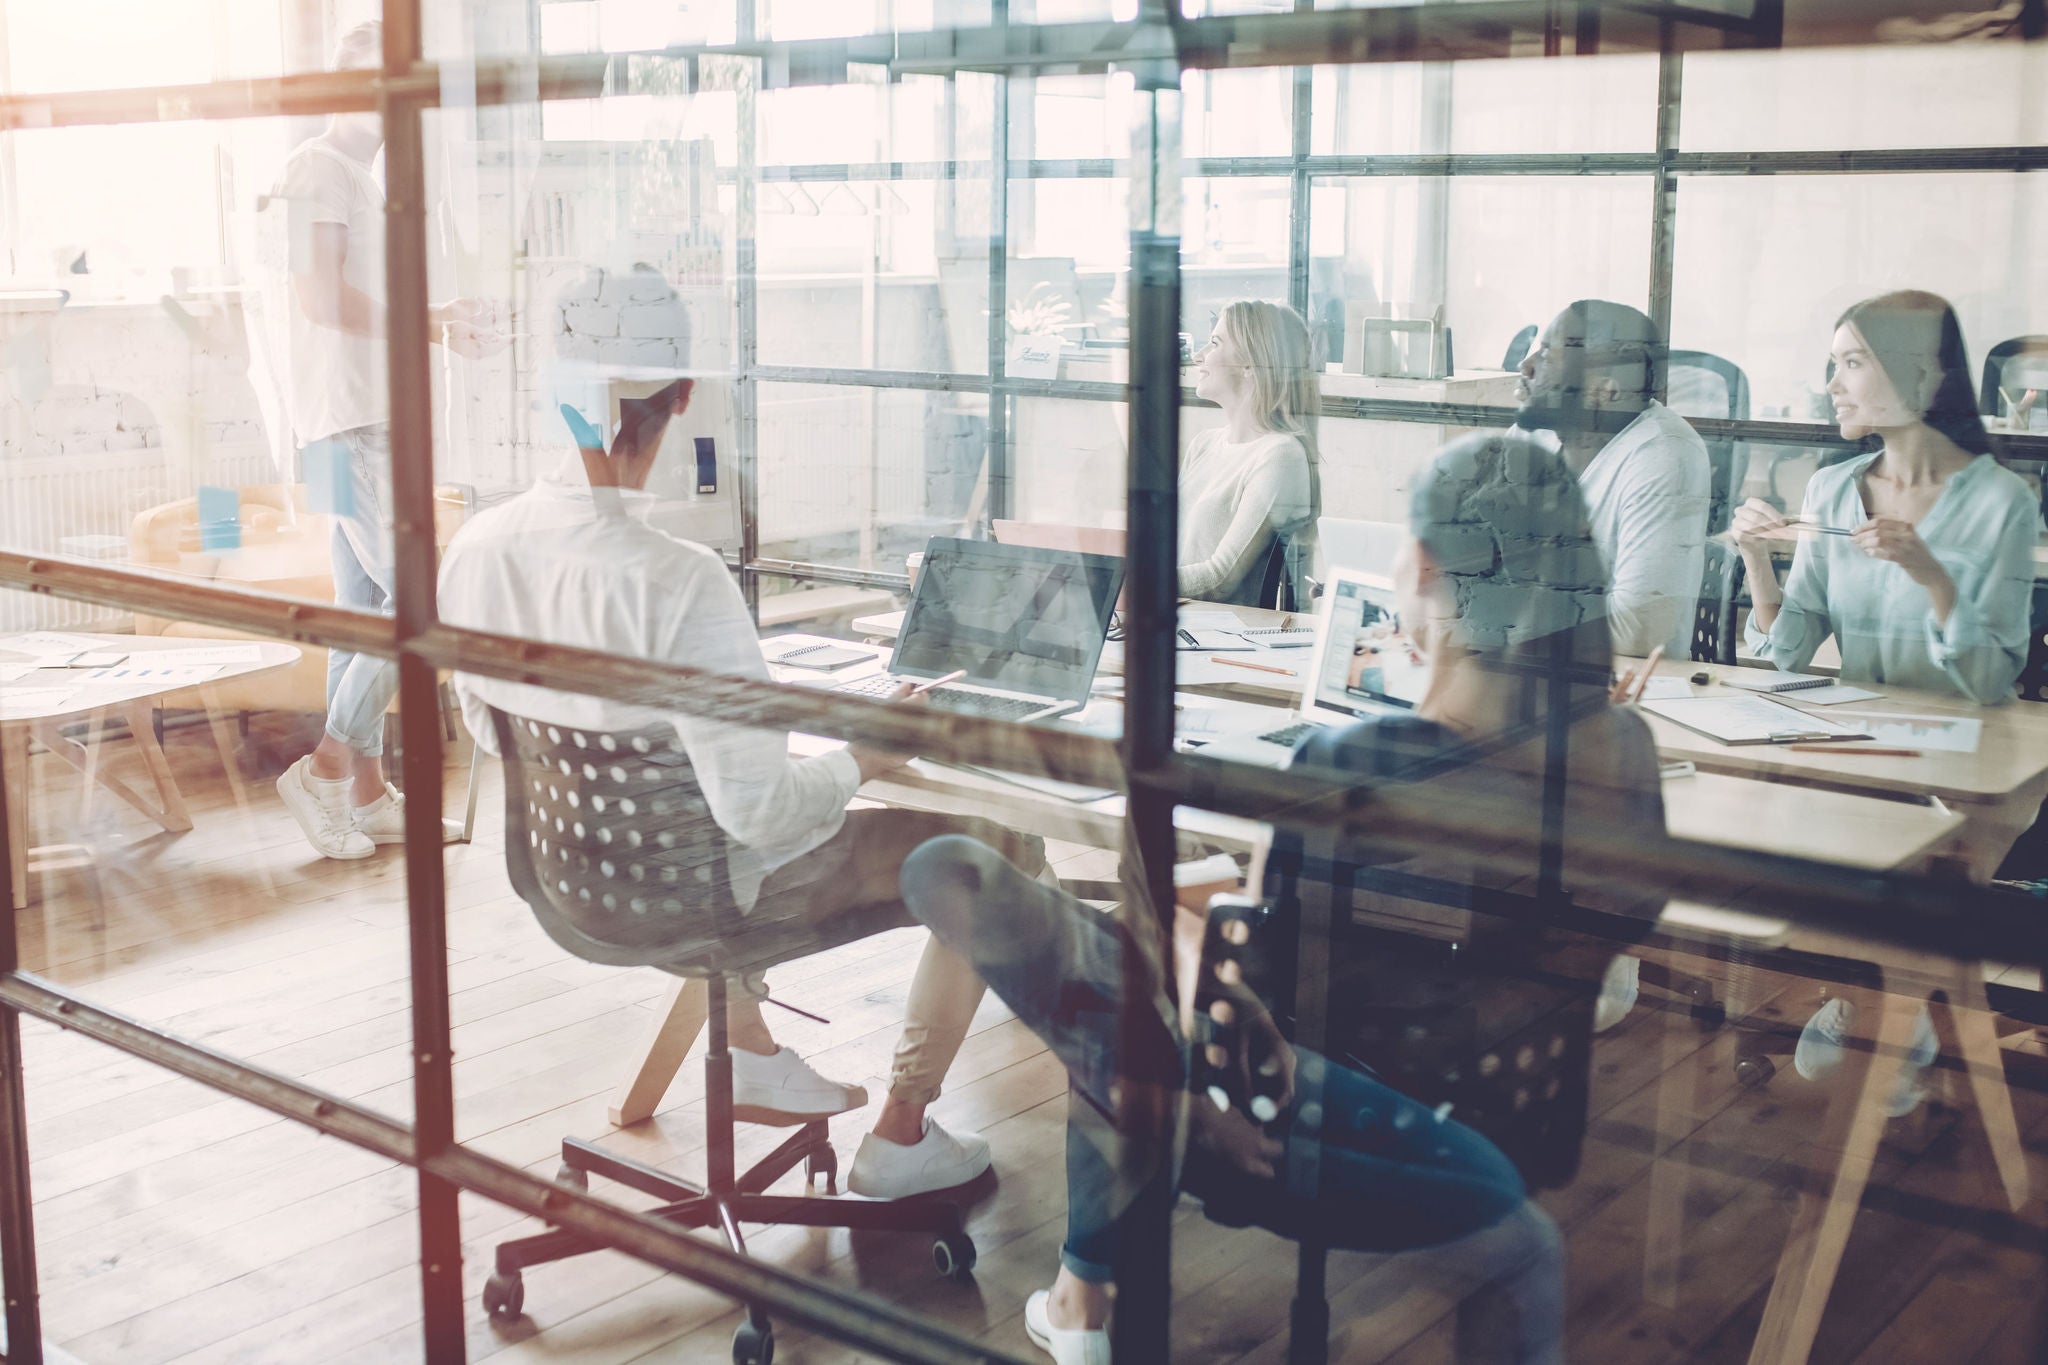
1864, 749
1649, 667
925, 687
1263, 668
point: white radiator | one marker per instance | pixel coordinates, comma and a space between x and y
51, 504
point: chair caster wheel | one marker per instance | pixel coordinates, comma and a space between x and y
753, 1345
824, 1162
1755, 1072
574, 1177
953, 1255
1710, 1015
504, 1296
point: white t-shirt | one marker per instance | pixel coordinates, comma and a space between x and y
1647, 493
337, 381
1234, 498
553, 564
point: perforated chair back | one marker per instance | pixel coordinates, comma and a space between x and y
2033, 684
1713, 617
610, 841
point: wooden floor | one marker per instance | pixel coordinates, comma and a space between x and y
174, 1225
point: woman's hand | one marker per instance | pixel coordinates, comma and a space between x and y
1234, 1137
1894, 539
1753, 523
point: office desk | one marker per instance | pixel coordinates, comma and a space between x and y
135, 702
1998, 789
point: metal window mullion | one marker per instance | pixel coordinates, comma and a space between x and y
1664, 198
1300, 180
999, 470
410, 384
19, 1278
746, 318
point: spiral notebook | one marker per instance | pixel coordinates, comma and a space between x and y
1783, 682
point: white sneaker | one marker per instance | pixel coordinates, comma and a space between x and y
1618, 990
383, 819
781, 1089
323, 813
1821, 1049
937, 1161
1066, 1345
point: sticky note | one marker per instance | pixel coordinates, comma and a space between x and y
220, 518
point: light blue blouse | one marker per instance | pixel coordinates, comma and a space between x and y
1983, 528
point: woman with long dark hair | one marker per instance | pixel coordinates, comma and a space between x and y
1920, 561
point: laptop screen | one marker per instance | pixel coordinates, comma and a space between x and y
1014, 616
1360, 665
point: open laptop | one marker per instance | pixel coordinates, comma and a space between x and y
1027, 624
1348, 679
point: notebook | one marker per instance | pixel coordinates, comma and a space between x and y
1783, 682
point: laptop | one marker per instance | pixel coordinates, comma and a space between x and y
1356, 672
1026, 623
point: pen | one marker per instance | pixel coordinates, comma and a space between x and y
1263, 668
1187, 638
925, 687
1853, 749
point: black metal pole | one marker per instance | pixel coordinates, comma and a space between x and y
1145, 1116
414, 567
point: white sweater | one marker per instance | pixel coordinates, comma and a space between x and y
1234, 498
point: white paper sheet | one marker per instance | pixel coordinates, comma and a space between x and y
49, 642
136, 674
26, 703
1746, 719
13, 672
202, 654
1947, 734
1666, 689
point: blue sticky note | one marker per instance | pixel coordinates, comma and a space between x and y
325, 467
220, 518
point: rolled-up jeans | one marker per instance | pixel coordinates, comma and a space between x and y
360, 686
1393, 1177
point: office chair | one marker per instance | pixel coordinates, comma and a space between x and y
1700, 384
1518, 349
1713, 617
609, 839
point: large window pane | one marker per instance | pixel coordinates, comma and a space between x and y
176, 42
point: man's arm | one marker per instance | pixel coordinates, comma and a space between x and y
1661, 527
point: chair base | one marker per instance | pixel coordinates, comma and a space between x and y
692, 1206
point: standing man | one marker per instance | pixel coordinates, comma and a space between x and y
341, 413
1644, 471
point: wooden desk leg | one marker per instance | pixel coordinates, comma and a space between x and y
14, 771
1670, 1170
660, 1055
168, 809
1820, 1228
1984, 1064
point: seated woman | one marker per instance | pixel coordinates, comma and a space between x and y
1252, 481
1502, 592
1931, 586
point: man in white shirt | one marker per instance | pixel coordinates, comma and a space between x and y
572, 561
1643, 470
336, 379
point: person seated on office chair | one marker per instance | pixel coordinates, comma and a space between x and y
1253, 481
573, 561
1920, 562
1501, 591
1592, 379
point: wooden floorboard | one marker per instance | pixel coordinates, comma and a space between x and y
175, 1225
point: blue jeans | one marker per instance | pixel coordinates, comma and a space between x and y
1388, 1175
360, 686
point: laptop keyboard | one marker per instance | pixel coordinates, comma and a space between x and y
1288, 735
958, 700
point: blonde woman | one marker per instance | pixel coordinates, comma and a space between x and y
1253, 480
